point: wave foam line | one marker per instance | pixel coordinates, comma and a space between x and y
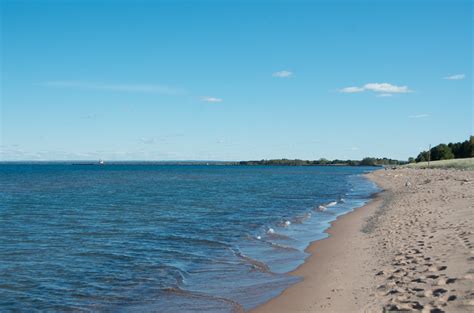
236, 307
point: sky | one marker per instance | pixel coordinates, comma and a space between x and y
233, 80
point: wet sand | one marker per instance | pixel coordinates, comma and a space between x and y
411, 248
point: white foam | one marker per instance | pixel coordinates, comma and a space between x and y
259, 237
287, 223
270, 231
321, 208
332, 203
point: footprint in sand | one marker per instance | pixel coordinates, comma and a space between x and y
432, 276
446, 281
436, 268
438, 292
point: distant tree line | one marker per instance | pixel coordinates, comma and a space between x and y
456, 150
298, 162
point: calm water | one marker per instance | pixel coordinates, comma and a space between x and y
163, 238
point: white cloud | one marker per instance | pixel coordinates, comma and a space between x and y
283, 74
455, 77
386, 88
419, 116
351, 89
212, 99
147, 88
383, 89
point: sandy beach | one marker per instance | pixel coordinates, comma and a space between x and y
410, 249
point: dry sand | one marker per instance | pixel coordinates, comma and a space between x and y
410, 249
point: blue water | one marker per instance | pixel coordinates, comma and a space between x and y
162, 238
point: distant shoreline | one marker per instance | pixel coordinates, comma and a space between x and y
272, 162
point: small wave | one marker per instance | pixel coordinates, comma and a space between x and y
283, 247
253, 237
204, 241
301, 219
275, 235
321, 208
178, 274
284, 224
236, 307
262, 267
186, 254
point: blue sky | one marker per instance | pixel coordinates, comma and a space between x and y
233, 80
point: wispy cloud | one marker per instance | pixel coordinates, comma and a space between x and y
283, 74
383, 89
352, 89
386, 88
419, 116
212, 99
455, 77
143, 88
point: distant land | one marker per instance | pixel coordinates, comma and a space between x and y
297, 162
263, 162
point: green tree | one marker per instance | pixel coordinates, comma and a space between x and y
323, 161
456, 148
441, 152
368, 162
422, 157
465, 149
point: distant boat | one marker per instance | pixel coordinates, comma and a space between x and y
101, 162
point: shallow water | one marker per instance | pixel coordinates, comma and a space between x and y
166, 238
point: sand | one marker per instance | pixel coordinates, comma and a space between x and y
410, 249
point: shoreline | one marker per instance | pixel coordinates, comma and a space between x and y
410, 248
309, 295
